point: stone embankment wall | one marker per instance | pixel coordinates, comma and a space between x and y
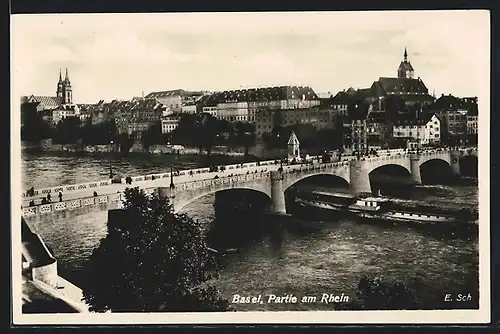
258, 150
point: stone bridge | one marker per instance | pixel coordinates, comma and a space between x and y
274, 183
270, 181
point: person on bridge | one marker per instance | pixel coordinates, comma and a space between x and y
32, 203
95, 193
31, 192
48, 198
60, 196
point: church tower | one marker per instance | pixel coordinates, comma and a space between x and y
60, 86
405, 70
67, 90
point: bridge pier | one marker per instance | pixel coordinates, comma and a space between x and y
277, 193
359, 177
415, 168
455, 162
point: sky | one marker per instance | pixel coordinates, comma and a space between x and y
120, 56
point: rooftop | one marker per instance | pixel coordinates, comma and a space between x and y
261, 94
400, 86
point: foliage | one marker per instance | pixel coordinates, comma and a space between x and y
152, 260
309, 137
34, 128
152, 136
384, 294
68, 131
125, 141
205, 131
394, 105
99, 134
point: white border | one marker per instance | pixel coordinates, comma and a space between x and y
326, 317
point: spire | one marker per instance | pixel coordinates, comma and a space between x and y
60, 76
67, 76
406, 55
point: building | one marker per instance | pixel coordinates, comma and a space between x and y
355, 128
459, 117
46, 104
64, 89
170, 123
135, 127
244, 104
266, 120
340, 102
404, 85
212, 110
376, 130
65, 111
424, 130
138, 115
175, 99
41, 103
472, 124
405, 70
43, 290
190, 108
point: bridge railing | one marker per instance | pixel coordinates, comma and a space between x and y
139, 178
67, 188
73, 204
90, 185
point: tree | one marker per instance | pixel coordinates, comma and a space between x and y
88, 133
393, 105
379, 293
207, 126
152, 260
152, 136
68, 130
185, 133
125, 141
34, 128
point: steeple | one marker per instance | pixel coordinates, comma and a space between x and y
66, 79
60, 84
405, 70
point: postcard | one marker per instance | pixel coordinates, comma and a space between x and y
293, 168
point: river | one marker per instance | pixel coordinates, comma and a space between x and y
294, 259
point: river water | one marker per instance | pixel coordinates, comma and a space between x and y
327, 255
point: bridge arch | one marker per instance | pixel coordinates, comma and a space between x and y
424, 160
377, 165
436, 170
181, 200
293, 181
390, 179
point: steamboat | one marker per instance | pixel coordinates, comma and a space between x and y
377, 207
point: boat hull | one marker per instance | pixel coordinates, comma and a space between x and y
393, 216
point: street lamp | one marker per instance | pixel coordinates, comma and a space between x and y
281, 154
110, 167
172, 185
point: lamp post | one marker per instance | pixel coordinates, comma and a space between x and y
358, 134
172, 185
281, 154
110, 167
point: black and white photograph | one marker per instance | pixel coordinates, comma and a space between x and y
300, 167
